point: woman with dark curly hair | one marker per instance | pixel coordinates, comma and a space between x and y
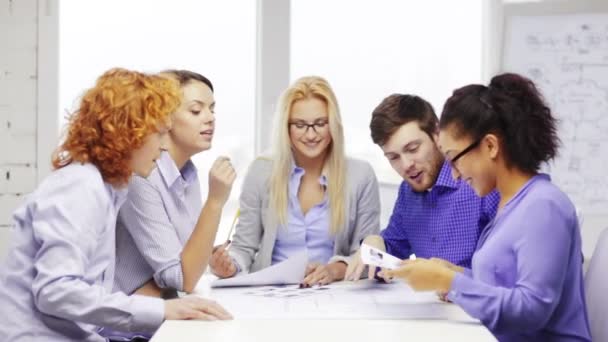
57, 280
526, 280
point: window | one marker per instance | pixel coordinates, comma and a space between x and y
369, 50
214, 38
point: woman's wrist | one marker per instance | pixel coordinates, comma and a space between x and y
337, 269
447, 278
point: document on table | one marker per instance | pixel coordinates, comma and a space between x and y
290, 271
365, 299
284, 291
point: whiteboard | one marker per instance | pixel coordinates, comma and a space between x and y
566, 54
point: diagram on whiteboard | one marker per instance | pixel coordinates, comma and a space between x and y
567, 57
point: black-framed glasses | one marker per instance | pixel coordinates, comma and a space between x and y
302, 126
465, 151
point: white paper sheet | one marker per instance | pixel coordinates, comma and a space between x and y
290, 271
364, 299
375, 257
288, 291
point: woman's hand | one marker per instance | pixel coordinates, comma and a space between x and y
221, 177
193, 307
221, 262
424, 275
320, 274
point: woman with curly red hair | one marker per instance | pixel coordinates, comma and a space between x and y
57, 280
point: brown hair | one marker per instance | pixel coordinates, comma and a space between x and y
397, 110
184, 77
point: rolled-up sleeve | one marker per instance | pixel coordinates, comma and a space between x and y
69, 226
145, 218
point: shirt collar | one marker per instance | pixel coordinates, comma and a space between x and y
189, 172
296, 173
170, 173
445, 179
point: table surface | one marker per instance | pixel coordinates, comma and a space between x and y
321, 330
361, 311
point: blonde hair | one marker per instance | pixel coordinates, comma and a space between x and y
335, 162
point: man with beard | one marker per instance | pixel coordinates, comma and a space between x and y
435, 216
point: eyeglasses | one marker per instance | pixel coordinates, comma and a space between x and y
465, 151
301, 127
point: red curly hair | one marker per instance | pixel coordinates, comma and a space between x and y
114, 118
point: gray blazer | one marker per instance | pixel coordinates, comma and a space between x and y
256, 231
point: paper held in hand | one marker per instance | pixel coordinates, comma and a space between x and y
290, 271
376, 257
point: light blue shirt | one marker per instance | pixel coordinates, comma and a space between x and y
56, 282
308, 232
526, 282
155, 223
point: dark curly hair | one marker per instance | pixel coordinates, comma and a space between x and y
512, 108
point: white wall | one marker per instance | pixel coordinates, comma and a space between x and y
28, 97
592, 226
18, 83
28, 121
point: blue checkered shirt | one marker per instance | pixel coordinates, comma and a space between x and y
444, 222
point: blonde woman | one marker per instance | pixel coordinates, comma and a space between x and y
306, 196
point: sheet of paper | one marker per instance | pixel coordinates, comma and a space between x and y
287, 291
364, 299
290, 271
375, 257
